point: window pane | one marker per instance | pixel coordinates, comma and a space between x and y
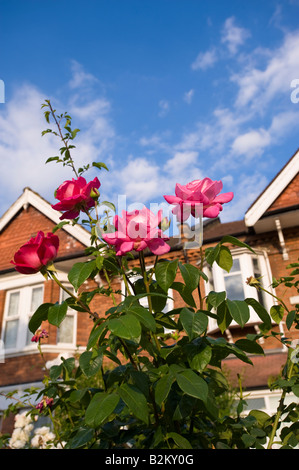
65, 333
236, 265
13, 307
234, 287
11, 331
28, 336
255, 403
36, 298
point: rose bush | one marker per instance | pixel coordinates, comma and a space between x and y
164, 383
75, 196
37, 254
198, 197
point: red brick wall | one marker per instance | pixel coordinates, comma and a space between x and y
289, 197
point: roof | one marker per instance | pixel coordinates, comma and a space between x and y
218, 230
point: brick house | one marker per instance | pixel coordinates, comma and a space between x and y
270, 226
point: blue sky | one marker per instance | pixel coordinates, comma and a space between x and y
164, 91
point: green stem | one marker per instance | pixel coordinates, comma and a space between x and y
62, 138
55, 429
85, 307
147, 287
198, 287
109, 284
279, 410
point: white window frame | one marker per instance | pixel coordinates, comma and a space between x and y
70, 313
23, 317
246, 269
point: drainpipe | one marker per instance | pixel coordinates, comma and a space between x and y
281, 240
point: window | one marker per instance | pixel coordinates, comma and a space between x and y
66, 333
234, 282
20, 306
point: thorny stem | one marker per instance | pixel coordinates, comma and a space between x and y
62, 138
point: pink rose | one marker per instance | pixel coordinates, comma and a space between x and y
75, 196
138, 230
36, 254
196, 196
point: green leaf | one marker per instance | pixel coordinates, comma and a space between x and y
56, 371
184, 292
52, 159
193, 323
163, 387
261, 311
239, 311
224, 317
212, 253
135, 401
165, 272
82, 437
80, 272
248, 440
143, 316
180, 441
57, 313
90, 363
100, 408
261, 417
249, 346
224, 259
40, 315
193, 385
235, 241
95, 334
216, 298
290, 319
277, 313
100, 165
126, 326
190, 274
199, 358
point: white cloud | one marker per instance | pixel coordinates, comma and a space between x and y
164, 108
252, 143
205, 60
80, 77
260, 86
188, 96
233, 36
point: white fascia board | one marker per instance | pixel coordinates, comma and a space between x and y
273, 191
29, 197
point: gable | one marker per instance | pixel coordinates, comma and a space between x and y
288, 198
281, 196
